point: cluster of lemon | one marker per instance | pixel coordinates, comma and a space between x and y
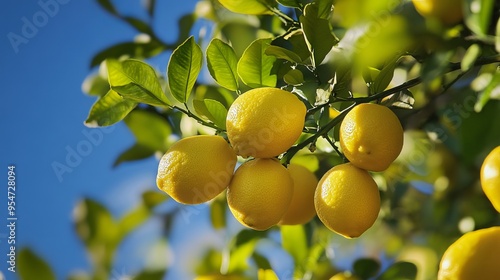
264, 123
476, 254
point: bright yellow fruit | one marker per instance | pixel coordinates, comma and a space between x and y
265, 122
248, 7
371, 136
490, 177
196, 169
347, 200
473, 256
447, 11
301, 209
344, 276
220, 277
259, 193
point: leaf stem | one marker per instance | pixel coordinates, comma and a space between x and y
198, 119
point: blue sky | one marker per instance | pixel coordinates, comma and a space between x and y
42, 118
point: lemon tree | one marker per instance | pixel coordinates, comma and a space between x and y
392, 104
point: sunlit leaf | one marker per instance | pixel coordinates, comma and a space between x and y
183, 69
31, 266
218, 213
217, 112
136, 81
319, 37
400, 271
290, 3
255, 68
283, 53
150, 129
267, 274
385, 76
109, 109
153, 198
224, 96
248, 7
222, 63
491, 91
295, 242
470, 57
136, 152
325, 8
478, 15
95, 85
497, 37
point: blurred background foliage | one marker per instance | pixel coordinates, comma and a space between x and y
448, 76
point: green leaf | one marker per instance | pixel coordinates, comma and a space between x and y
128, 49
318, 34
491, 91
385, 76
136, 152
248, 7
255, 68
290, 3
218, 213
150, 129
183, 69
294, 77
325, 8
470, 57
478, 15
94, 224
202, 92
295, 243
108, 6
185, 24
243, 246
261, 261
217, 113
152, 198
139, 25
366, 268
95, 85
150, 275
400, 271
222, 63
136, 81
497, 37
31, 266
109, 109
283, 53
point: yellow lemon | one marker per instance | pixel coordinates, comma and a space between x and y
371, 136
196, 169
447, 11
265, 122
347, 200
473, 256
490, 177
259, 193
219, 277
301, 209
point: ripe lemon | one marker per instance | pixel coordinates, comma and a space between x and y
371, 136
265, 122
490, 177
259, 193
196, 169
347, 200
301, 209
473, 256
447, 11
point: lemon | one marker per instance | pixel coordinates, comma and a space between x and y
301, 209
446, 11
371, 136
344, 276
490, 177
259, 193
473, 256
265, 122
196, 169
347, 200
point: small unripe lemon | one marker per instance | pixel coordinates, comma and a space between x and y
196, 169
259, 193
447, 11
